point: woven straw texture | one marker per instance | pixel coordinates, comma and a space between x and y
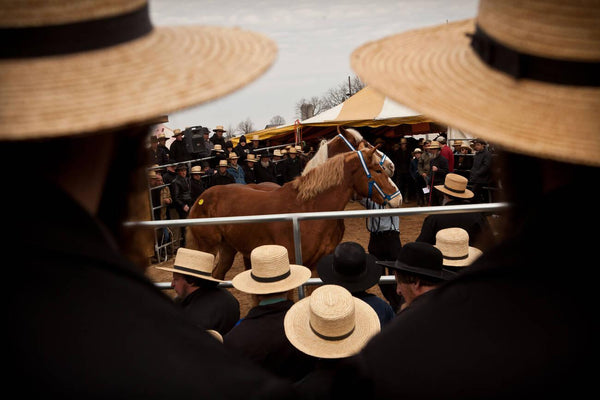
332, 312
433, 70
170, 69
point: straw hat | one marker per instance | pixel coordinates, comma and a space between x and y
417, 150
457, 143
434, 145
219, 128
215, 334
194, 263
152, 175
550, 111
218, 148
271, 272
162, 136
233, 156
119, 71
456, 186
196, 170
255, 137
350, 267
277, 153
330, 323
177, 132
421, 259
292, 150
223, 163
454, 245
252, 158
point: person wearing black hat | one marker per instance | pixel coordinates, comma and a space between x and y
181, 194
480, 176
351, 267
418, 270
242, 149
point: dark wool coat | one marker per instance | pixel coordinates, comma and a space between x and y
476, 224
519, 323
260, 336
89, 324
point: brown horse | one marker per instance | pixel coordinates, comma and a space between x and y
328, 187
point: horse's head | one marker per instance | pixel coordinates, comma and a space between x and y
355, 141
371, 181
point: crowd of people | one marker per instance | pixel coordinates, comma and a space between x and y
514, 320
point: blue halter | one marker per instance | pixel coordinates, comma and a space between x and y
372, 184
353, 149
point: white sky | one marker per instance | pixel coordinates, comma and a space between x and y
315, 39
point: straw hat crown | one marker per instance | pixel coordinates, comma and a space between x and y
454, 245
271, 272
331, 323
119, 70
194, 263
196, 169
455, 185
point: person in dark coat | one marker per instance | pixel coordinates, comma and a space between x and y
476, 224
222, 177
291, 166
513, 324
217, 137
350, 267
481, 171
197, 184
260, 335
198, 293
250, 168
265, 169
437, 173
242, 149
178, 152
163, 150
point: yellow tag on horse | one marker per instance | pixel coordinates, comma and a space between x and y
201, 201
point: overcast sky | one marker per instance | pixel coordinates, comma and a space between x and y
314, 38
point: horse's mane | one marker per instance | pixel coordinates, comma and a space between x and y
320, 178
321, 155
319, 158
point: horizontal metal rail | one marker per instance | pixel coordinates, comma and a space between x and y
295, 218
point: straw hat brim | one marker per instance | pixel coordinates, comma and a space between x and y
434, 71
299, 333
245, 283
467, 194
474, 253
206, 277
170, 69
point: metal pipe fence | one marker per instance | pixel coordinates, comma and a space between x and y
295, 218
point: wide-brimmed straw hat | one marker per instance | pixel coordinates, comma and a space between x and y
456, 186
233, 156
256, 137
196, 169
434, 145
223, 163
350, 267
218, 148
194, 263
454, 245
277, 153
271, 272
422, 259
177, 132
330, 323
77, 66
523, 74
252, 158
219, 128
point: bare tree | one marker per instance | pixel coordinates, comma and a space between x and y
307, 108
334, 96
277, 120
246, 126
231, 130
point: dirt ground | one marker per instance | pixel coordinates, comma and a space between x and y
356, 231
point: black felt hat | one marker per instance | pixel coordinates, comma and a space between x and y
350, 267
422, 259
